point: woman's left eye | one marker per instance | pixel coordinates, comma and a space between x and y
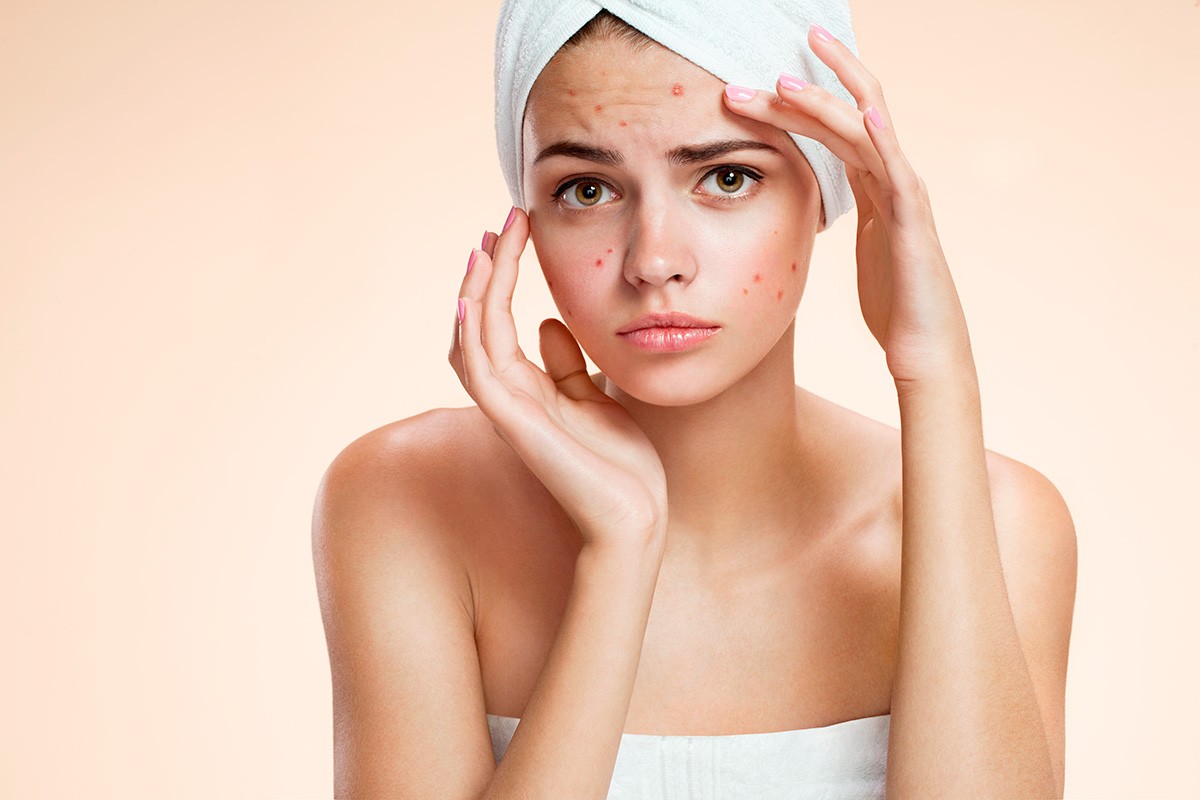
729, 181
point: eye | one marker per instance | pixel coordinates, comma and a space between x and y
728, 181
583, 193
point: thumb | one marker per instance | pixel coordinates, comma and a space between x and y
564, 362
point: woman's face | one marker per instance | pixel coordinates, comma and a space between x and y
646, 194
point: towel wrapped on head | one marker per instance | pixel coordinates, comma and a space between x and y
744, 42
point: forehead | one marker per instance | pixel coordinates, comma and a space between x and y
608, 88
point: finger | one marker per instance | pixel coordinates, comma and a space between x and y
868, 92
455, 354
499, 327
815, 113
476, 371
907, 195
850, 71
564, 362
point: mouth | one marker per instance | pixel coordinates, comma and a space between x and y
666, 319
668, 332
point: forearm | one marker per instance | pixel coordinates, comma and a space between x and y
566, 744
965, 718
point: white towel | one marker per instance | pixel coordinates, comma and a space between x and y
744, 42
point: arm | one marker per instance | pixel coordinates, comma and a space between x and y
966, 712
408, 700
985, 608
567, 742
602, 469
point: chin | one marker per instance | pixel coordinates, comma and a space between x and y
673, 380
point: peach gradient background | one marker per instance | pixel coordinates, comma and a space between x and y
231, 235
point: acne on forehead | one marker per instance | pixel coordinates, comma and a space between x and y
677, 90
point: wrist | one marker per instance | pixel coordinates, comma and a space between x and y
957, 379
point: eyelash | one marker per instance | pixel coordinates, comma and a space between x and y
756, 176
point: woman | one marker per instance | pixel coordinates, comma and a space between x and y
682, 574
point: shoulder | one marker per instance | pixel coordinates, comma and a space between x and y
415, 465
396, 491
397, 605
1034, 526
1038, 554
442, 483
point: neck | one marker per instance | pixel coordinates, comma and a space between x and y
734, 464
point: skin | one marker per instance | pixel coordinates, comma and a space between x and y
861, 570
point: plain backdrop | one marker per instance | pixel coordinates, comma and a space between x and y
231, 238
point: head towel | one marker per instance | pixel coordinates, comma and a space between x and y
744, 42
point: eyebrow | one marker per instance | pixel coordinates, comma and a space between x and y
684, 154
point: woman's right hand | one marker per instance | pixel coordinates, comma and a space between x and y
579, 442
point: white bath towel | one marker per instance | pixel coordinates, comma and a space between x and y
744, 42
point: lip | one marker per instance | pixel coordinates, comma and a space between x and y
667, 331
666, 319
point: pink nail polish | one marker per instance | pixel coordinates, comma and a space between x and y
511, 216
483, 241
738, 94
791, 82
462, 309
471, 260
822, 33
875, 117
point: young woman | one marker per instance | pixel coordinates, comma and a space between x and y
685, 576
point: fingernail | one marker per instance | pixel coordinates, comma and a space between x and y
511, 216
483, 241
822, 33
738, 94
471, 260
791, 82
462, 309
874, 116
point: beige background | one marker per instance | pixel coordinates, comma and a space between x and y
231, 235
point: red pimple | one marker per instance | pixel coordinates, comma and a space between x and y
569, 313
779, 295
624, 124
610, 249
599, 109
793, 266
571, 92
599, 262
677, 90
550, 284
757, 278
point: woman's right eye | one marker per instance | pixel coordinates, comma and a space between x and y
583, 193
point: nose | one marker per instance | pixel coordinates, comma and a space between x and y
659, 247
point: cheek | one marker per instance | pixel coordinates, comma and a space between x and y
771, 274
578, 280
576, 266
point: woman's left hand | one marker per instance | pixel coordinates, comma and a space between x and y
907, 296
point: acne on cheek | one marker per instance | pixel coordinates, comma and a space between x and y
779, 293
677, 90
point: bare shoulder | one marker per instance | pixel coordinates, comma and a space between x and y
424, 466
397, 605
1035, 536
444, 476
